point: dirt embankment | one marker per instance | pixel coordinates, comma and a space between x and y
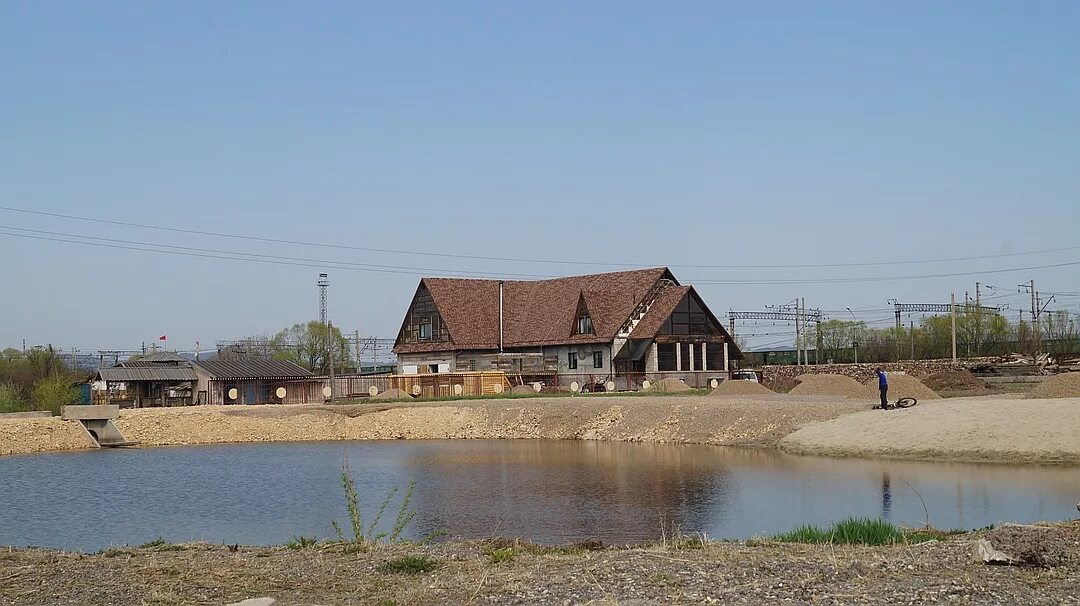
974, 429
19, 436
724, 420
961, 429
506, 572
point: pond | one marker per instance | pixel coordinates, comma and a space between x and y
545, 491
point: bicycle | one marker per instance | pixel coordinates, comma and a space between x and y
904, 402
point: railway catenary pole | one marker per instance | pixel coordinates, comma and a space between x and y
978, 318
952, 315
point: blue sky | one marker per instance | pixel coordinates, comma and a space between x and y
691, 134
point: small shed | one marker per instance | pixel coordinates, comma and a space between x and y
144, 385
256, 381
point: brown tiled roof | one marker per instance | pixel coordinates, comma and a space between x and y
662, 308
536, 312
659, 311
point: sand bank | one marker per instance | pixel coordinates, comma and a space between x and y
964, 429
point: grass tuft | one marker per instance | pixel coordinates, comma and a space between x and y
302, 542
852, 531
408, 564
499, 555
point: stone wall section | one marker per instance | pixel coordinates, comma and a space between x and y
861, 372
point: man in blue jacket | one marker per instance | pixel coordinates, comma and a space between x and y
883, 387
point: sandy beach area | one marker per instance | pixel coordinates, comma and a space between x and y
970, 429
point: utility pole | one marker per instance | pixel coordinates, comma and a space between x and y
978, 318
798, 333
912, 332
952, 315
805, 349
330, 339
356, 341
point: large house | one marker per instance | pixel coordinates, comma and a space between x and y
601, 325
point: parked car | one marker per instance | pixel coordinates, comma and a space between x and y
745, 375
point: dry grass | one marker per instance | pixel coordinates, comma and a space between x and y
701, 572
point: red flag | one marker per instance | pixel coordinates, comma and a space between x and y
161, 338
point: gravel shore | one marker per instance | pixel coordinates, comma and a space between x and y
684, 572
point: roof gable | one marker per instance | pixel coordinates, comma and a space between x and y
535, 312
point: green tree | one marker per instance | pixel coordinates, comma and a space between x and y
11, 399
1062, 334
836, 337
308, 344
52, 393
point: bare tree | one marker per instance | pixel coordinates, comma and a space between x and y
1061, 333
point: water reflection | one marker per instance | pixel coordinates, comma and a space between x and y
546, 491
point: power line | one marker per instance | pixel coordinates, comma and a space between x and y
302, 262
517, 259
321, 262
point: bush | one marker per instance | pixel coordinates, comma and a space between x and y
52, 393
11, 400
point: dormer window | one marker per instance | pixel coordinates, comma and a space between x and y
584, 324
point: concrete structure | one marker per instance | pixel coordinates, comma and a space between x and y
593, 328
97, 421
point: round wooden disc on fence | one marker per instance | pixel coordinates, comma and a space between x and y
498, 387
458, 389
537, 387
574, 387
280, 393
646, 384
373, 391
714, 383
327, 392
416, 390
609, 386
233, 393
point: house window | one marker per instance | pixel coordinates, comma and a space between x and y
665, 356
424, 329
597, 359
571, 360
584, 324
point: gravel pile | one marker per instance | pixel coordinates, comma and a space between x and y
955, 380
669, 385
528, 390
829, 385
391, 394
901, 386
741, 388
1065, 385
